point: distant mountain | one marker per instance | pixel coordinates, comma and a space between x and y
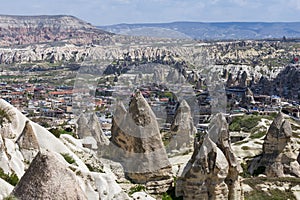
19, 30
211, 31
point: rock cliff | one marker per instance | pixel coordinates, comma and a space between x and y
20, 30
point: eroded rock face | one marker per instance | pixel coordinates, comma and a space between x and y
213, 170
28, 142
48, 178
219, 134
37, 29
136, 143
205, 174
279, 157
183, 129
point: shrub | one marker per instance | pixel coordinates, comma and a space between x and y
245, 147
57, 132
245, 173
244, 123
259, 170
166, 196
12, 179
4, 117
10, 197
68, 158
136, 188
258, 135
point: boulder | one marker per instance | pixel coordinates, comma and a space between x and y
136, 143
48, 178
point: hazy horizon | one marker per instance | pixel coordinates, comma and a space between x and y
106, 12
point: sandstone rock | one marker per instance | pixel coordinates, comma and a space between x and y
136, 143
5, 189
279, 157
141, 196
199, 84
205, 174
182, 129
89, 129
230, 81
248, 98
38, 29
48, 178
243, 79
219, 134
28, 142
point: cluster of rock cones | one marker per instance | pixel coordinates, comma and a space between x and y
211, 173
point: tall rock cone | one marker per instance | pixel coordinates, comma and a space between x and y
279, 157
136, 143
96, 130
183, 129
48, 178
248, 98
219, 134
204, 175
28, 142
89, 129
118, 117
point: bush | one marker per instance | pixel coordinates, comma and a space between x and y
245, 148
244, 123
166, 196
136, 188
258, 135
57, 132
68, 158
245, 173
259, 170
4, 117
12, 179
10, 197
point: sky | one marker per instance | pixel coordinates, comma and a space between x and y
106, 12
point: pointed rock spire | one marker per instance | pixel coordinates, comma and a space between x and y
205, 173
182, 128
48, 178
89, 129
96, 130
136, 143
28, 142
219, 133
279, 157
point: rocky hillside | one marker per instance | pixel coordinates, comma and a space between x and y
19, 30
44, 163
286, 83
